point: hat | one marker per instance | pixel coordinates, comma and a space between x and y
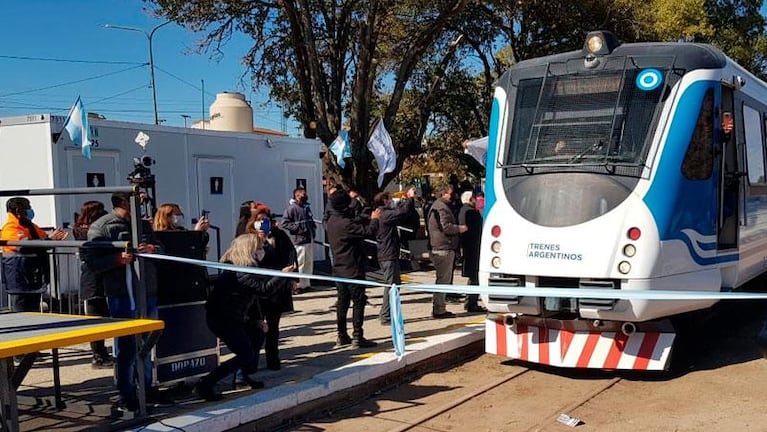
339, 200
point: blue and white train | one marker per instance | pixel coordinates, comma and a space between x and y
623, 167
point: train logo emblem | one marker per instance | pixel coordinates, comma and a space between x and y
649, 79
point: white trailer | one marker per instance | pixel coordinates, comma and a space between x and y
197, 169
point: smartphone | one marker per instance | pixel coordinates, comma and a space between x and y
264, 225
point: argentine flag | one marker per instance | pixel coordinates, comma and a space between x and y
77, 127
383, 150
340, 148
397, 322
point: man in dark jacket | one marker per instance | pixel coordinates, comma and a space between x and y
388, 241
110, 265
444, 242
298, 221
346, 236
470, 246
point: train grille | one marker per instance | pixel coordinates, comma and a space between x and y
499, 279
599, 304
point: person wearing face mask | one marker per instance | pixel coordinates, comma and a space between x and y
169, 217
388, 240
229, 313
25, 270
298, 221
279, 254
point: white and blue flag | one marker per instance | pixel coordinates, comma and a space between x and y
340, 148
397, 322
383, 151
77, 127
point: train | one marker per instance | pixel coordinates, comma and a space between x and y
621, 166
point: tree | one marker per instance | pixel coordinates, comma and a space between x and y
330, 60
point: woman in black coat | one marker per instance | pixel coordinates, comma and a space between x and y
229, 313
280, 255
91, 284
470, 246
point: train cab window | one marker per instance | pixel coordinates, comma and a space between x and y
698, 161
754, 149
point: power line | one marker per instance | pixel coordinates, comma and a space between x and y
118, 94
183, 80
70, 61
73, 82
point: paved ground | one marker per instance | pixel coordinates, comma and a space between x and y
312, 369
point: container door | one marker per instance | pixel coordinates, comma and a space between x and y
103, 169
215, 194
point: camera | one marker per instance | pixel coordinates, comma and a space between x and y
141, 174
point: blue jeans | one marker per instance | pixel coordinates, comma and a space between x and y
125, 348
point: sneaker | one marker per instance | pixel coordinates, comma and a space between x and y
343, 340
474, 308
443, 314
207, 393
363, 343
123, 408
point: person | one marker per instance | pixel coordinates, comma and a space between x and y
727, 124
92, 284
110, 265
298, 221
388, 239
444, 240
470, 246
560, 147
229, 313
357, 205
247, 210
346, 236
480, 201
169, 217
280, 255
25, 270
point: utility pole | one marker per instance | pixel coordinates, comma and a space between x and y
185, 116
149, 35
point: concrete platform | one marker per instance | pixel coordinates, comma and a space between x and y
314, 375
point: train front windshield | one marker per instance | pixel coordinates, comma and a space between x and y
585, 120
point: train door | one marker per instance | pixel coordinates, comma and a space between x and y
215, 194
729, 174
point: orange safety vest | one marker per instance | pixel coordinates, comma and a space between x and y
13, 230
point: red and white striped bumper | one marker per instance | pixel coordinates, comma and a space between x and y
575, 349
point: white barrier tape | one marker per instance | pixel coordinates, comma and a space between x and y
256, 270
502, 291
589, 293
397, 321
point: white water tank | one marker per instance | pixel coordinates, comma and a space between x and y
231, 112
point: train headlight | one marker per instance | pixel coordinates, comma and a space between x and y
495, 231
629, 250
624, 267
496, 262
496, 247
595, 43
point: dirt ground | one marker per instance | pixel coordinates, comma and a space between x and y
719, 383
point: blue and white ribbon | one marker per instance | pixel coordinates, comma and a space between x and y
397, 319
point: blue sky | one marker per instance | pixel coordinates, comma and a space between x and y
74, 30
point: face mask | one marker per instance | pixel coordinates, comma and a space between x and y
392, 204
260, 255
178, 220
30, 214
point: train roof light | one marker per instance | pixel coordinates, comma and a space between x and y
600, 43
634, 233
495, 231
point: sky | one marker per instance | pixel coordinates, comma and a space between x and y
108, 68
